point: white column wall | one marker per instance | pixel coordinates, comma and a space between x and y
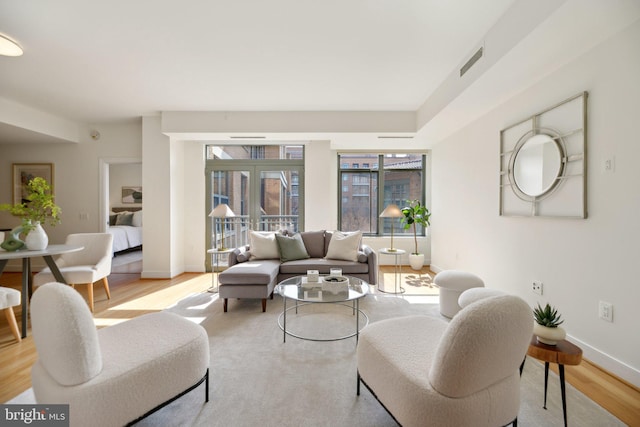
194, 187
157, 184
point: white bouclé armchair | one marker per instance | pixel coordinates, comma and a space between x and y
118, 374
427, 372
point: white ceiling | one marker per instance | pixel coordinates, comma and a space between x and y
97, 62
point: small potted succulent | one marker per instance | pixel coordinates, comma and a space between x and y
547, 325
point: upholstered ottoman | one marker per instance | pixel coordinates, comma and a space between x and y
251, 279
452, 283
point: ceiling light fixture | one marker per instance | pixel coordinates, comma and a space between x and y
8, 47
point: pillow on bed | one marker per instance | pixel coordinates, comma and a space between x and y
136, 221
124, 219
112, 219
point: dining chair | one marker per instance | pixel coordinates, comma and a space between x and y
85, 267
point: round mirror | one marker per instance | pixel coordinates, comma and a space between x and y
537, 164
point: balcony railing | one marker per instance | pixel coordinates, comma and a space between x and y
236, 229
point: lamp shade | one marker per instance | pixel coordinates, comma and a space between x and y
222, 211
391, 211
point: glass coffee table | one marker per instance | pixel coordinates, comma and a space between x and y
305, 293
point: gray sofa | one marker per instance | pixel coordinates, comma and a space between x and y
257, 278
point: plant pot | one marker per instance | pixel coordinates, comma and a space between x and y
37, 239
549, 336
416, 261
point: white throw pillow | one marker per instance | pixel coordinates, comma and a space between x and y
344, 246
263, 245
137, 219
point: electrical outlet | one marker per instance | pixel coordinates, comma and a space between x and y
605, 311
537, 287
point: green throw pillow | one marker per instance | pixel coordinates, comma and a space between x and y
291, 248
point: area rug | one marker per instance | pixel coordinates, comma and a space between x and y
409, 281
259, 380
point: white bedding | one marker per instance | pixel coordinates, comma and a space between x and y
125, 237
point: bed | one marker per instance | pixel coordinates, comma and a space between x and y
125, 224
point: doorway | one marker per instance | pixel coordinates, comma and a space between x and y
114, 174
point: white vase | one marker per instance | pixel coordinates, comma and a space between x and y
37, 238
549, 336
416, 261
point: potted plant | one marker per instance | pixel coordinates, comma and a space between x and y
414, 214
39, 209
547, 327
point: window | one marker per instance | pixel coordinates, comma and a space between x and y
367, 191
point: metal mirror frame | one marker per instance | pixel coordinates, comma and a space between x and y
522, 142
566, 124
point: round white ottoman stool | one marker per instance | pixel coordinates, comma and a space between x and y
9, 298
452, 283
476, 294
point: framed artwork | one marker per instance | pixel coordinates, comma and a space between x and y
131, 194
25, 172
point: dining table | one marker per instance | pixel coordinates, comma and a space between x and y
26, 255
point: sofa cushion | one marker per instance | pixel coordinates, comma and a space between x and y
263, 245
344, 246
250, 273
291, 248
314, 243
323, 266
243, 256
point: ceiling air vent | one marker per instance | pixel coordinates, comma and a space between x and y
476, 56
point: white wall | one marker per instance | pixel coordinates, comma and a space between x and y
580, 262
123, 175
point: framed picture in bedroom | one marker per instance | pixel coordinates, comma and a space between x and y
131, 194
25, 172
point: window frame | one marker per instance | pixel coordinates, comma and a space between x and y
380, 190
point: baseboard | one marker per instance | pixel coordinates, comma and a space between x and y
435, 268
195, 269
156, 275
608, 363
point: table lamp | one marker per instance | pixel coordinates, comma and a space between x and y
391, 211
222, 211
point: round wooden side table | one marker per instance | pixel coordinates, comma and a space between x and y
563, 353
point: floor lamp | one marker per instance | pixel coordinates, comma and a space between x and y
391, 211
222, 211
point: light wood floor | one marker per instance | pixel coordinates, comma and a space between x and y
131, 297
